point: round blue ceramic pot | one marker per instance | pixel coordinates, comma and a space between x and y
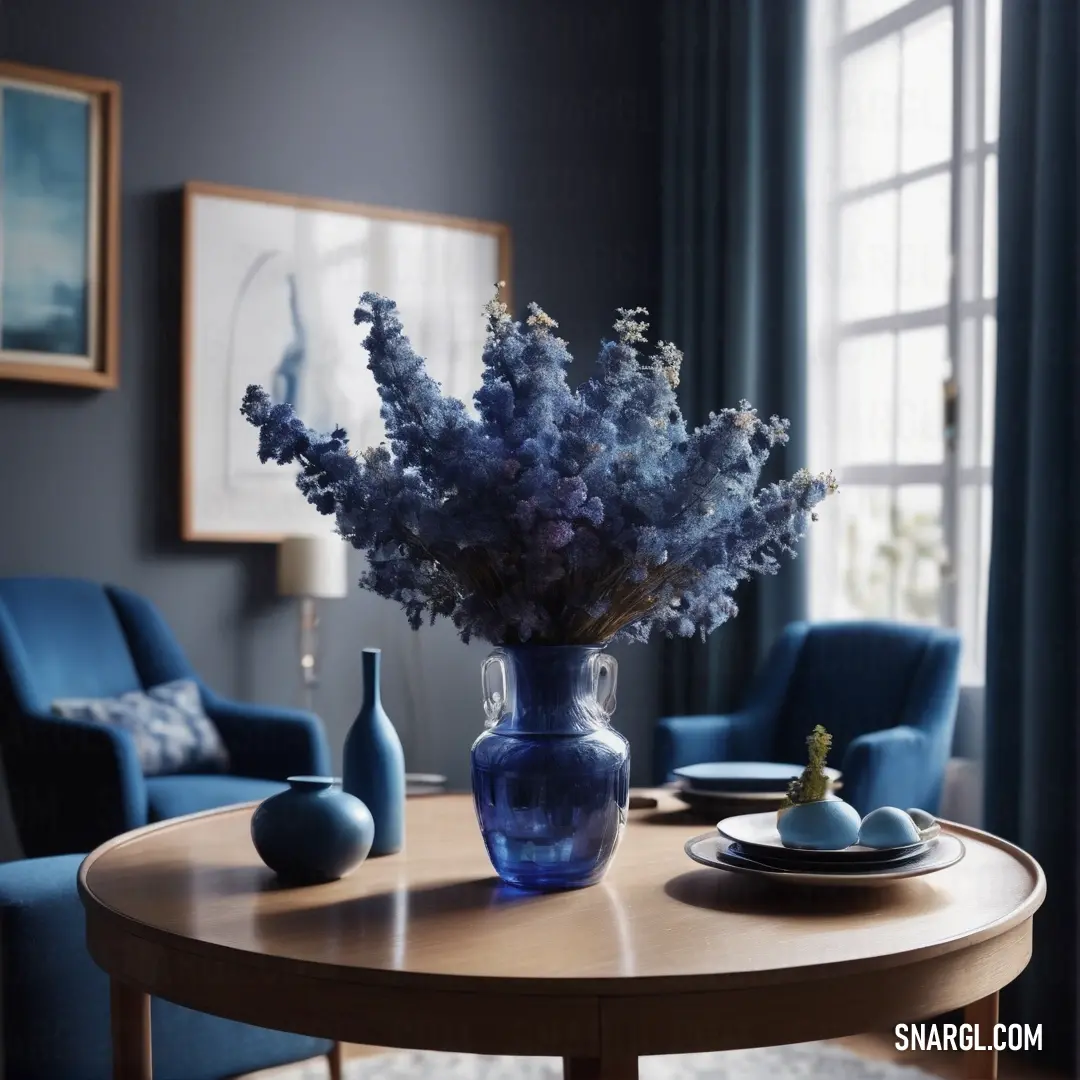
312, 833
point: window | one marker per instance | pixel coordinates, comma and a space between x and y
902, 239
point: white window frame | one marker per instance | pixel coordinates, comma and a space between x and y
963, 391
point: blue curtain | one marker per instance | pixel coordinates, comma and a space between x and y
1033, 646
733, 293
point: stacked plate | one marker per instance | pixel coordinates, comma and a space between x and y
750, 844
424, 784
719, 787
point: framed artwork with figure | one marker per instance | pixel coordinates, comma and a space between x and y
270, 285
59, 227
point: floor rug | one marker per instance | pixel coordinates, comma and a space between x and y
802, 1061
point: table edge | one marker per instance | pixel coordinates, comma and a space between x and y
124, 925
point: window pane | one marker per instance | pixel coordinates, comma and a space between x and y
989, 376
922, 368
869, 98
969, 575
973, 569
924, 244
986, 509
868, 258
969, 363
993, 68
973, 94
865, 400
863, 12
917, 553
990, 198
891, 552
926, 125
866, 579
971, 224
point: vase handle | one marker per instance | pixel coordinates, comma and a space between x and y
606, 666
494, 700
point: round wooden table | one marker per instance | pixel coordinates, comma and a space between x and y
428, 950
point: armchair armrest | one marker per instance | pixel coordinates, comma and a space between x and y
269, 743
688, 740
898, 766
73, 784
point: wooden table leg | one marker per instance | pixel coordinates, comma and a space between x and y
132, 1059
983, 1064
605, 1068
336, 1060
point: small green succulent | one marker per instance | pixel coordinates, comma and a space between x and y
812, 785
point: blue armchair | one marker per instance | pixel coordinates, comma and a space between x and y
75, 783
54, 1000
886, 691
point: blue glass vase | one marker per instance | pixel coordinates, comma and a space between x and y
550, 776
374, 769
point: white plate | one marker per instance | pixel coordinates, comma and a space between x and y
709, 849
791, 859
748, 776
719, 797
759, 830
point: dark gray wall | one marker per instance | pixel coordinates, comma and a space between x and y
540, 114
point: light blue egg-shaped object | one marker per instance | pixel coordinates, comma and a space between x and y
827, 825
922, 818
888, 827
787, 809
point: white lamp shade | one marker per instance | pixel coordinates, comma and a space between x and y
313, 566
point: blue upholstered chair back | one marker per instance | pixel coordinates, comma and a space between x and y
62, 637
855, 677
887, 693
75, 783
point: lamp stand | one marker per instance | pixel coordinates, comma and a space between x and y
309, 649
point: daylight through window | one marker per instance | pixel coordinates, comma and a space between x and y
903, 247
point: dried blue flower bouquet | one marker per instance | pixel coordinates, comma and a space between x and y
553, 517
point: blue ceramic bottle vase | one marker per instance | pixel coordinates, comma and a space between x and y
374, 769
550, 775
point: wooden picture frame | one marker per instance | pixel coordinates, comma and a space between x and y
60, 221
269, 285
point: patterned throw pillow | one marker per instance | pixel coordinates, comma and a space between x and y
171, 731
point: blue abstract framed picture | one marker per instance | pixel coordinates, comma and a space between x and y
270, 287
59, 227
